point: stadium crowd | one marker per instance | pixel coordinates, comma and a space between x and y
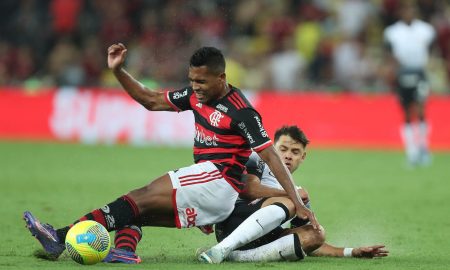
269, 44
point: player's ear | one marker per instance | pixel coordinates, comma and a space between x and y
304, 155
223, 77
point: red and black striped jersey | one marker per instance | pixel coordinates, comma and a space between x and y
226, 130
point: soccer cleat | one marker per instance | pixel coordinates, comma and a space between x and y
117, 255
45, 234
212, 256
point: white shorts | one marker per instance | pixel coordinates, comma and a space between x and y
201, 196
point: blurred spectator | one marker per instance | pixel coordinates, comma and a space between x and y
65, 65
286, 67
37, 35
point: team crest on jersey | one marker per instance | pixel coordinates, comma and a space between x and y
200, 105
215, 118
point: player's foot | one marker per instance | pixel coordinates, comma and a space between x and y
117, 255
425, 158
200, 250
212, 255
45, 234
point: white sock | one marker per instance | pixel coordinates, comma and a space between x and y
423, 135
411, 147
282, 249
258, 224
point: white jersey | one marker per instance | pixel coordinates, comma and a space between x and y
258, 167
410, 43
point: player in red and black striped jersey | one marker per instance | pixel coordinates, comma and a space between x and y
227, 129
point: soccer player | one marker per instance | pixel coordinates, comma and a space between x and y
227, 128
262, 190
409, 42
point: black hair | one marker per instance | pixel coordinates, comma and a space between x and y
210, 57
294, 132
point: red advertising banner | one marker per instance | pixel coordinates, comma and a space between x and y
104, 116
349, 119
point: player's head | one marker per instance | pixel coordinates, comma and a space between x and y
291, 142
408, 12
207, 74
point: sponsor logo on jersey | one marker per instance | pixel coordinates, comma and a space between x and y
191, 215
202, 138
222, 108
215, 118
178, 95
261, 128
261, 166
244, 128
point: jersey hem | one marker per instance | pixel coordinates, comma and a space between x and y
173, 106
263, 146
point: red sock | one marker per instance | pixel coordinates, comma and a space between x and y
112, 216
128, 237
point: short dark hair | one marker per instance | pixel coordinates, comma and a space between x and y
210, 57
294, 132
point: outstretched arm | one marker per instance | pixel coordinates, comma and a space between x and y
360, 252
273, 160
151, 100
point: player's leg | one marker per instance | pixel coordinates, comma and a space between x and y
125, 243
112, 216
291, 246
423, 90
274, 212
408, 131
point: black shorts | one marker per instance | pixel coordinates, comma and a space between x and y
412, 86
242, 210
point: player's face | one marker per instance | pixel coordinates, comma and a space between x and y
291, 151
206, 85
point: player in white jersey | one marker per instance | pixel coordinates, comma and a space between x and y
263, 190
409, 42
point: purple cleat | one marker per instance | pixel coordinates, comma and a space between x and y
117, 255
45, 234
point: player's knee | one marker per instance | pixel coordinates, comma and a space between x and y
284, 203
149, 197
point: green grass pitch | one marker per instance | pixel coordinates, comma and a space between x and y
360, 197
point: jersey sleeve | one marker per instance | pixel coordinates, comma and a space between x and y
250, 126
179, 100
255, 165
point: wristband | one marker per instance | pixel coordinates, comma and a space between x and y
348, 252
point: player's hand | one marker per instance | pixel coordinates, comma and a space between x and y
305, 213
116, 55
370, 252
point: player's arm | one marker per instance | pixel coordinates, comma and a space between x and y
255, 190
273, 160
151, 100
360, 252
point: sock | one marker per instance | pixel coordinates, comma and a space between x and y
423, 135
256, 225
411, 148
128, 237
112, 216
286, 248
